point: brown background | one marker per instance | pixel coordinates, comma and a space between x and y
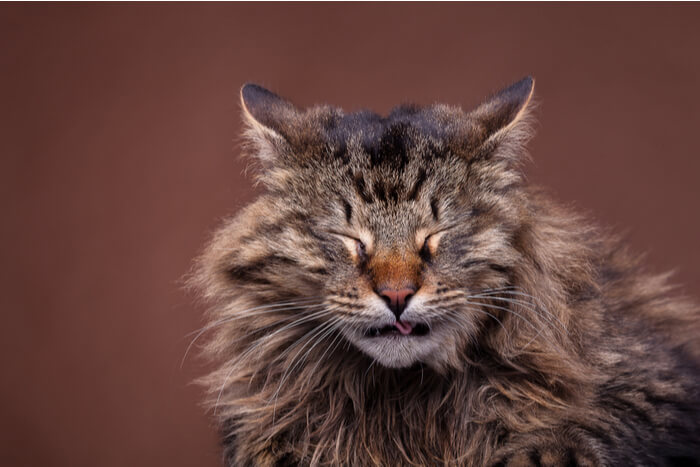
118, 140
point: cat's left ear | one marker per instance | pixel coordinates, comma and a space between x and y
504, 118
269, 118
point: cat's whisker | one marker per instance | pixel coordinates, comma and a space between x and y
540, 311
511, 290
301, 339
364, 376
499, 289
551, 317
323, 331
478, 306
242, 315
304, 319
535, 305
492, 316
458, 319
234, 365
532, 306
532, 340
305, 340
333, 344
239, 359
236, 313
508, 310
328, 330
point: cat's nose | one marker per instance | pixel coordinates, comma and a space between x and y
397, 300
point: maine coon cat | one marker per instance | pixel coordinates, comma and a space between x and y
399, 295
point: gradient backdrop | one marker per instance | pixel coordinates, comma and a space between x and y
119, 132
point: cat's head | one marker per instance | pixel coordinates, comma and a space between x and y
392, 227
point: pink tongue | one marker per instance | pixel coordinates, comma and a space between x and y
404, 328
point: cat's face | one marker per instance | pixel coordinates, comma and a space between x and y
398, 225
406, 264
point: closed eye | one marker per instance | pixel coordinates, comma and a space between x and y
425, 252
357, 247
361, 249
430, 244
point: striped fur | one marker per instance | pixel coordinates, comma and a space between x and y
549, 343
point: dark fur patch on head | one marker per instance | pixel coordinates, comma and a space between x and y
392, 149
340, 151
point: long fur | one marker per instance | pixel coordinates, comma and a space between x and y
561, 349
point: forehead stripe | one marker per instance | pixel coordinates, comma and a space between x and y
417, 185
434, 208
348, 210
361, 188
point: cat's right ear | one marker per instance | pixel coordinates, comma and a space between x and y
503, 123
267, 117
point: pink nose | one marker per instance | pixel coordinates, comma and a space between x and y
396, 299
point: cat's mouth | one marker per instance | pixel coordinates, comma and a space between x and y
399, 329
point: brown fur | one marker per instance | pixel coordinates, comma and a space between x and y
556, 347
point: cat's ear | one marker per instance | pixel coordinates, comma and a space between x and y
268, 118
503, 120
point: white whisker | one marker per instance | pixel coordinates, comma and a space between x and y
264, 309
324, 330
240, 358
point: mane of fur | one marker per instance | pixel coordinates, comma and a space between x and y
616, 347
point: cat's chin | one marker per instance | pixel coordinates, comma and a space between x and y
398, 351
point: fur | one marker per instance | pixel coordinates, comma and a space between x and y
549, 342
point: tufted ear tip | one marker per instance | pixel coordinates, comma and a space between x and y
519, 94
265, 108
504, 110
254, 97
249, 90
524, 87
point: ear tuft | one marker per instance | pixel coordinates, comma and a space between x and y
269, 119
505, 110
265, 108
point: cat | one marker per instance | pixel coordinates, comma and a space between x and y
399, 295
